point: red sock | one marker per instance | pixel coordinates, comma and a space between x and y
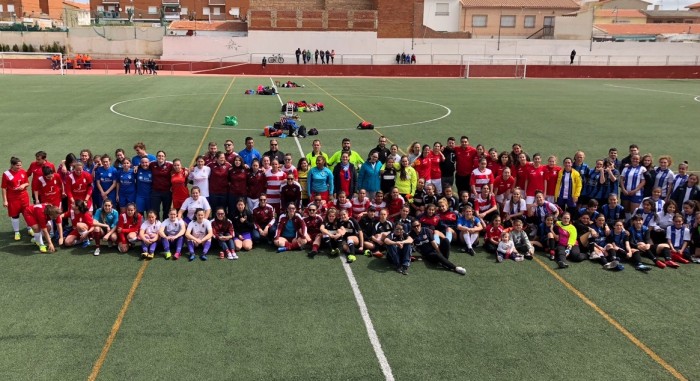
287, 245
314, 247
294, 246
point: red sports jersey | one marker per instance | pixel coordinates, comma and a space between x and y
465, 160
50, 191
36, 215
551, 175
494, 232
36, 170
16, 199
482, 205
238, 181
395, 206
291, 169
501, 186
162, 176
76, 218
495, 166
435, 160
347, 205
218, 179
79, 187
535, 180
430, 222
313, 225
360, 206
478, 178
263, 216
422, 167
521, 174
274, 183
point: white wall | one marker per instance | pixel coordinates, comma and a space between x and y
441, 23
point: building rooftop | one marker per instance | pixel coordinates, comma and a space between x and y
648, 29
522, 4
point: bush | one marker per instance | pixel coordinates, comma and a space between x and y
15, 48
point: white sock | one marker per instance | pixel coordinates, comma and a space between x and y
39, 238
15, 224
467, 240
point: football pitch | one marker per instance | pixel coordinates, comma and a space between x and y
268, 316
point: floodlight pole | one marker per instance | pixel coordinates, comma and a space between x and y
500, 21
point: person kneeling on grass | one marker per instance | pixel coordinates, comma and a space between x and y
424, 243
172, 230
81, 221
39, 217
128, 228
331, 232
222, 229
148, 234
291, 230
398, 249
199, 233
313, 229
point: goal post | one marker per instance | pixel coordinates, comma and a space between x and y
495, 67
14, 61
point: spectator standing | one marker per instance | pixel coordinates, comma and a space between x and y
297, 54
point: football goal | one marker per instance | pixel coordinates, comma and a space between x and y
16, 61
495, 67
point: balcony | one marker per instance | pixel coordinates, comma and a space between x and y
171, 2
170, 16
110, 2
217, 2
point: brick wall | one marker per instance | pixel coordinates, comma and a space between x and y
397, 18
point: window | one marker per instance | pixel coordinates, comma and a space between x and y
529, 21
479, 21
507, 21
0, 8
152, 10
100, 8
206, 11
235, 12
442, 9
183, 10
548, 20
10, 8
111, 8
217, 11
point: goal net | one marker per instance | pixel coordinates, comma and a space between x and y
21, 62
495, 67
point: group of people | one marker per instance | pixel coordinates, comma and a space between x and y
79, 61
327, 57
141, 66
382, 204
404, 58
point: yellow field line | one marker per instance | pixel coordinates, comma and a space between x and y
117, 323
135, 284
211, 122
614, 323
352, 111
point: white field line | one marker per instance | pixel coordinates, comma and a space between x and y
652, 90
371, 332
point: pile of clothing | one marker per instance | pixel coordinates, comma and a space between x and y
303, 106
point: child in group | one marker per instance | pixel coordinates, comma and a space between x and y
172, 230
598, 238
342, 203
640, 241
222, 229
521, 240
506, 249
148, 234
612, 211
199, 233
690, 207
331, 232
378, 201
360, 204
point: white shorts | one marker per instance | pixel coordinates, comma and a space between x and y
530, 200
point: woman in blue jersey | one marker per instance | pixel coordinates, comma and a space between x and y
144, 181
105, 225
600, 183
320, 180
126, 185
632, 184
106, 178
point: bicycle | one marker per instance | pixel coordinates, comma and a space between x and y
275, 58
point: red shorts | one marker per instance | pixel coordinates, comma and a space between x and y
16, 207
29, 216
325, 196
